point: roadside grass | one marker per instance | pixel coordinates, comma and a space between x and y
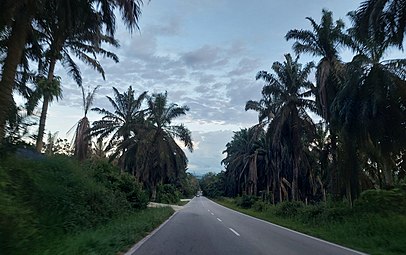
371, 232
182, 203
114, 237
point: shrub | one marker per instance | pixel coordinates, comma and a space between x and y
260, 206
167, 194
382, 201
245, 201
289, 208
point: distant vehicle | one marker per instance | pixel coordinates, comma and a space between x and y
199, 193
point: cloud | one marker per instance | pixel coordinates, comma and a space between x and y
205, 57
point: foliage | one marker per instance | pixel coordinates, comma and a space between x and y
167, 194
53, 196
114, 237
212, 185
245, 201
361, 228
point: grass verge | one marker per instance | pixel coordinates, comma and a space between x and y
115, 237
373, 233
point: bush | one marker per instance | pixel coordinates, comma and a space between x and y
119, 182
289, 209
260, 206
382, 201
245, 201
167, 194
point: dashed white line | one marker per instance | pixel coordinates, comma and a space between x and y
235, 232
208, 210
212, 213
219, 219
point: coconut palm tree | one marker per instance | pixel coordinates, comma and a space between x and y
82, 137
287, 93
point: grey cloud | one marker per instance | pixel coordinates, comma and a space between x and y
204, 57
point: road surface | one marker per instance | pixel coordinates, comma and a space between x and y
206, 228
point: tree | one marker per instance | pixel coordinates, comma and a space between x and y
382, 20
371, 110
82, 142
48, 91
127, 118
160, 158
325, 41
287, 94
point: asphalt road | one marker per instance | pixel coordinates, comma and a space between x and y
204, 227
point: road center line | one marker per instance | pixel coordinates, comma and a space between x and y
219, 220
235, 232
208, 210
212, 213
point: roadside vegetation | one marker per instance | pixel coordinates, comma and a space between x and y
375, 225
56, 205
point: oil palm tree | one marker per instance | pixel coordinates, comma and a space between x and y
371, 109
160, 158
382, 20
287, 92
125, 121
82, 141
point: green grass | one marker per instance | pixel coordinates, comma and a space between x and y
373, 233
114, 237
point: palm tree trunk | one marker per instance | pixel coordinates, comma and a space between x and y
45, 105
41, 128
15, 48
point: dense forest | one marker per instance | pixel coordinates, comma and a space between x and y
337, 136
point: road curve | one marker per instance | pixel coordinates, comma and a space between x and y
204, 227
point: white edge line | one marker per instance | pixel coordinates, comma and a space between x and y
275, 225
142, 241
219, 219
235, 232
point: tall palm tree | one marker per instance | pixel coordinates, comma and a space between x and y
48, 91
160, 158
18, 16
82, 137
287, 93
371, 108
324, 41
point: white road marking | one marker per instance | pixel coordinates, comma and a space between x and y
219, 220
208, 210
235, 232
212, 213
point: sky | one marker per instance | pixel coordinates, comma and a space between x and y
205, 54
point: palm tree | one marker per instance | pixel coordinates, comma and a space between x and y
371, 109
242, 160
287, 95
382, 20
124, 122
160, 158
18, 16
325, 41
48, 91
82, 137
